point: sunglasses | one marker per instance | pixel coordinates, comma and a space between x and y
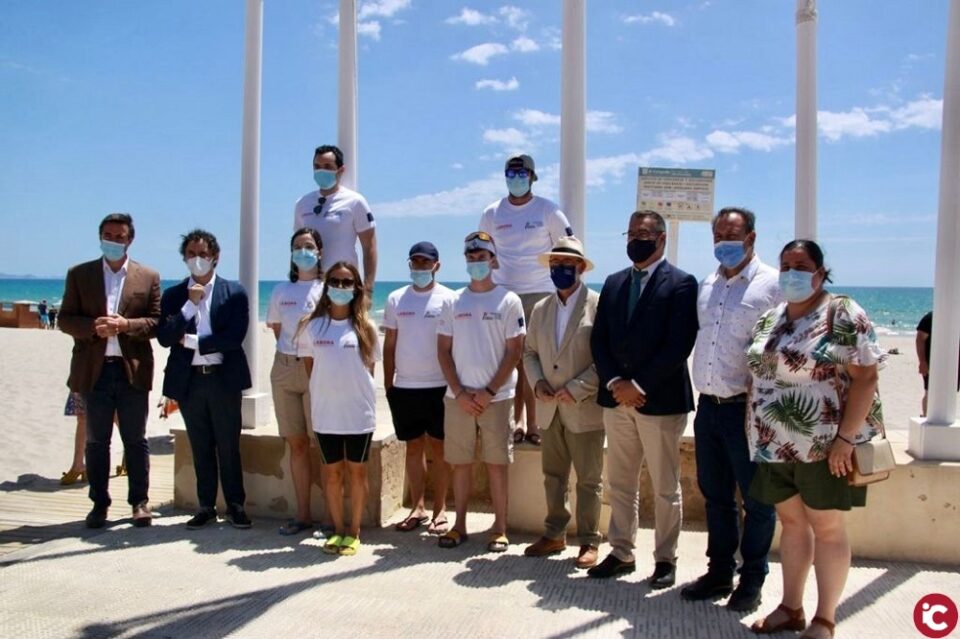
512, 173
336, 282
478, 235
319, 207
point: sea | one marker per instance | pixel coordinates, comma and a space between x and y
893, 310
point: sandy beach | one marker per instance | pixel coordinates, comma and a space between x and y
36, 363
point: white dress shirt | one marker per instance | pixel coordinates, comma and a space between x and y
202, 312
113, 287
727, 310
565, 310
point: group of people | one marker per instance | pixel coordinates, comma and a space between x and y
786, 374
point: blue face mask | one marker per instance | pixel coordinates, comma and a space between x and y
564, 276
518, 186
729, 252
796, 286
113, 251
325, 178
304, 258
421, 279
340, 296
478, 270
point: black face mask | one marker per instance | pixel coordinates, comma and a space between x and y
641, 250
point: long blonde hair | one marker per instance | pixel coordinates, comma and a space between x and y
359, 319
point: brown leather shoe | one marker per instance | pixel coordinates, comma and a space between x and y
544, 546
588, 557
142, 516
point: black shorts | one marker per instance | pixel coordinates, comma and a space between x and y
417, 411
333, 448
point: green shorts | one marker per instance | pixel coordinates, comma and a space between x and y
777, 482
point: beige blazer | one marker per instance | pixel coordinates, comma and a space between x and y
570, 365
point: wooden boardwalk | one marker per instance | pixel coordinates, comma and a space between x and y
36, 509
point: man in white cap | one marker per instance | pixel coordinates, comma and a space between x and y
524, 226
559, 367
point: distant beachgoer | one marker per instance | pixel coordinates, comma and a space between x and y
813, 397
44, 316
341, 215
524, 226
289, 377
343, 402
924, 331
53, 312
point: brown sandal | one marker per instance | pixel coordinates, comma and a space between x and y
820, 621
795, 621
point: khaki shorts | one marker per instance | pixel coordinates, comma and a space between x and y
528, 301
291, 396
460, 433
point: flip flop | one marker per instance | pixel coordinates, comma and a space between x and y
452, 539
411, 523
349, 546
518, 436
332, 547
295, 527
498, 543
438, 526
533, 438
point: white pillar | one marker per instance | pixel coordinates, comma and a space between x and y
347, 88
937, 437
255, 405
673, 240
805, 202
573, 116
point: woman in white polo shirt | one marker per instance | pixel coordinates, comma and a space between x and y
289, 379
345, 347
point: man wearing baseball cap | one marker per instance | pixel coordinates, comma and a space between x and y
524, 226
479, 342
560, 369
415, 384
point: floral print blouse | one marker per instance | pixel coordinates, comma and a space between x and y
799, 377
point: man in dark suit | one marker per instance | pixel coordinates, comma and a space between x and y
203, 321
110, 307
645, 329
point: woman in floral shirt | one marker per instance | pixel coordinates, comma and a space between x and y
814, 362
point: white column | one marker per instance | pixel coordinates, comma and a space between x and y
255, 405
805, 202
347, 87
673, 240
573, 116
937, 437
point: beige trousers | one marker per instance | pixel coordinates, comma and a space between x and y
631, 437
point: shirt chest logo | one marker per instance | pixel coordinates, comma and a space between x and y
491, 315
406, 314
466, 315
287, 303
431, 314
533, 225
501, 227
324, 342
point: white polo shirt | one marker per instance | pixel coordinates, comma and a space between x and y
344, 215
415, 315
289, 303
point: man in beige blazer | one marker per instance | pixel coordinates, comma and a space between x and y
110, 307
559, 367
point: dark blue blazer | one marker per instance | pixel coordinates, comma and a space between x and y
652, 346
229, 318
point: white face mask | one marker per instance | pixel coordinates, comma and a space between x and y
198, 266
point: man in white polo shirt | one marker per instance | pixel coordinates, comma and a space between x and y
524, 226
479, 343
414, 382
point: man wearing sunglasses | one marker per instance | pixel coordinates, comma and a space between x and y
524, 226
341, 215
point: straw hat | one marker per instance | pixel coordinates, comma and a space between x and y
568, 246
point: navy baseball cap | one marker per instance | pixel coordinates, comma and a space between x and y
425, 249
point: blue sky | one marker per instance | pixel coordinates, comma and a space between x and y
120, 106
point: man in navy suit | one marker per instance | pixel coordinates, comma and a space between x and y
645, 328
203, 321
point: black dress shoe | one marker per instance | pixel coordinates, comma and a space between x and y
708, 586
611, 567
746, 598
664, 575
203, 517
238, 517
97, 517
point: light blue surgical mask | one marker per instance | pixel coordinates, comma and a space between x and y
478, 270
421, 279
325, 178
518, 186
340, 296
729, 252
796, 286
113, 251
304, 258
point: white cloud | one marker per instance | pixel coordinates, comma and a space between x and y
523, 44
859, 122
597, 121
533, 117
676, 150
650, 18
481, 53
855, 123
925, 113
612, 168
456, 166
370, 29
733, 141
511, 138
471, 18
498, 85
381, 8
602, 122
515, 17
